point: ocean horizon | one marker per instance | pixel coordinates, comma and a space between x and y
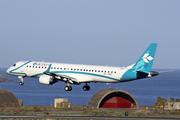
145, 91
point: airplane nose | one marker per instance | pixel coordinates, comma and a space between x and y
7, 71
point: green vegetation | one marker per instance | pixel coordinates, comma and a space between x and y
160, 102
99, 112
171, 99
84, 110
37, 109
145, 111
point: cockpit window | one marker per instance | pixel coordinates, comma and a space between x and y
14, 65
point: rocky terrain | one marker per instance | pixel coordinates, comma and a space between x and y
4, 79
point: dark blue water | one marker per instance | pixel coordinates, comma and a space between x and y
145, 91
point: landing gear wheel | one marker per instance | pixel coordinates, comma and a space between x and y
21, 78
21, 83
67, 88
86, 88
70, 88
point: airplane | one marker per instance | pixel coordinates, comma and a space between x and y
50, 73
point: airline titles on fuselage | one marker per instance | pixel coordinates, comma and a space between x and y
46, 65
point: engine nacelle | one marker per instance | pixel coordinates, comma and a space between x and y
46, 80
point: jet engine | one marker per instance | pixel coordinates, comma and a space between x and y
46, 80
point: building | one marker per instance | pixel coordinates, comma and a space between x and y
172, 105
111, 98
8, 99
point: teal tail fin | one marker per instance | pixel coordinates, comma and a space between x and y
145, 62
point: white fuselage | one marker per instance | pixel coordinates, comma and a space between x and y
82, 73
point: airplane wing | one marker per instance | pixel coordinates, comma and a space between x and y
61, 77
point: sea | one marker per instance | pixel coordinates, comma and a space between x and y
145, 91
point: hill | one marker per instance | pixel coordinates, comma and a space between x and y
4, 79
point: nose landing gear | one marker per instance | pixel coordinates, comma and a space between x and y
21, 83
21, 78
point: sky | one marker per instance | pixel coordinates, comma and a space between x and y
94, 32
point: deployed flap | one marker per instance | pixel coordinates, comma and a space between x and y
61, 77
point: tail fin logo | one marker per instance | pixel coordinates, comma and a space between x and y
147, 58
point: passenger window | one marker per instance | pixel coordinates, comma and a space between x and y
92, 70
102, 71
111, 71
64, 68
54, 67
14, 65
98, 70
95, 70
84, 70
27, 66
74, 69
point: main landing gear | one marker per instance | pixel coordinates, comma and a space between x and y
21, 78
68, 87
86, 87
